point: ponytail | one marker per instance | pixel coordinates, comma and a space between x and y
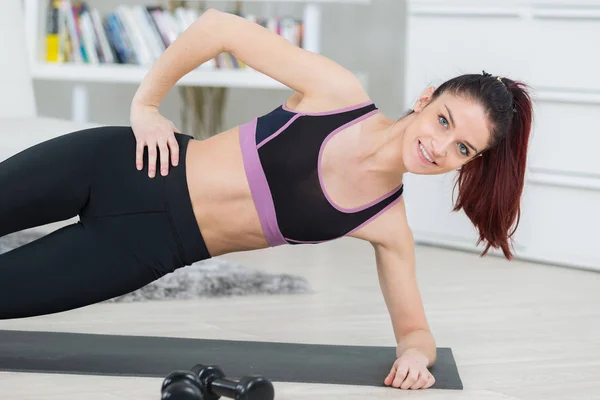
490, 186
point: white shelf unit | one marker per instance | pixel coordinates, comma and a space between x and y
82, 74
123, 73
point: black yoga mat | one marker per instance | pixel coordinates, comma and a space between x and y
92, 354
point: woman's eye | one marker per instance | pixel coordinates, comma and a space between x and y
443, 120
463, 149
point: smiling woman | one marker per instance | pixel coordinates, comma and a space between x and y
323, 165
441, 144
480, 125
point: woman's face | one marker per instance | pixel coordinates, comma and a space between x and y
444, 134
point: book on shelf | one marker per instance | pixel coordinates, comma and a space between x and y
52, 37
135, 34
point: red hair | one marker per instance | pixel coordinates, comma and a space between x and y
490, 186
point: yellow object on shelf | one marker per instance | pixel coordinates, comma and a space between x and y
52, 30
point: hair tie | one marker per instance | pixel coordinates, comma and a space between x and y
485, 75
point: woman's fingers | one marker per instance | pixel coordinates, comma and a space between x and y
161, 149
139, 155
164, 156
174, 150
422, 381
157, 133
401, 373
405, 375
411, 378
151, 158
389, 379
430, 381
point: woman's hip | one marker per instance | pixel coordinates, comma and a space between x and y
119, 189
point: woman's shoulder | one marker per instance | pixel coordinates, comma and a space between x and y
390, 229
326, 102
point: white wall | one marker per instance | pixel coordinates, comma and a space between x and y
553, 47
17, 96
366, 38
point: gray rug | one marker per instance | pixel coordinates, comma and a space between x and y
209, 278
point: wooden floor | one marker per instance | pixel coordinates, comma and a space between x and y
518, 330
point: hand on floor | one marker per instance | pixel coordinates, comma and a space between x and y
410, 372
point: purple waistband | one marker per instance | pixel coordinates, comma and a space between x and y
259, 187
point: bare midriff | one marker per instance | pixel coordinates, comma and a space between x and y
220, 195
222, 198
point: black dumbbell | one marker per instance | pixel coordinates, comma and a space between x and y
182, 385
215, 384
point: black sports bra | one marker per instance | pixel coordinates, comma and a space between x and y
282, 158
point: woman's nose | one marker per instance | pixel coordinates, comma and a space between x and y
439, 146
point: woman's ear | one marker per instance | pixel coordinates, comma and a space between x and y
424, 99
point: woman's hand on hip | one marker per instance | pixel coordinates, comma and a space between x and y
410, 372
155, 131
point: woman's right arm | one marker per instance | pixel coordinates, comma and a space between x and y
215, 32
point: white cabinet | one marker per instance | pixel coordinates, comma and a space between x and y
552, 46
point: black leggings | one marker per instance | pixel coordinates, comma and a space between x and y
132, 229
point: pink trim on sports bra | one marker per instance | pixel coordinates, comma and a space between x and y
319, 168
263, 200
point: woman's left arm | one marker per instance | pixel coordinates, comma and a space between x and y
416, 347
398, 281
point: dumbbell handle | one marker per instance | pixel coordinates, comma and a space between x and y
235, 390
223, 387
216, 385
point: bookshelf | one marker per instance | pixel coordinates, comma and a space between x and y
82, 74
207, 77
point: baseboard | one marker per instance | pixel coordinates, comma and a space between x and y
440, 242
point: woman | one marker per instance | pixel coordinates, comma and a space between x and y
323, 165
